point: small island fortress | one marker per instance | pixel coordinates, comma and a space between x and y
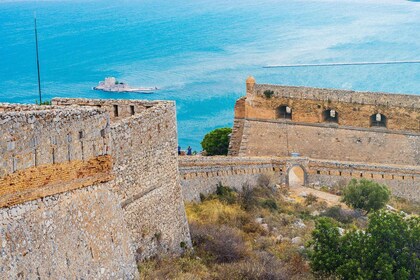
111, 84
88, 187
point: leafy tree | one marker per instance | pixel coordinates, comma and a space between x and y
216, 142
326, 255
388, 249
366, 195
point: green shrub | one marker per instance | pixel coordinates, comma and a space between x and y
268, 93
270, 204
338, 214
387, 249
226, 194
47, 102
366, 195
216, 142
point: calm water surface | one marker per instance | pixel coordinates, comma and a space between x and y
200, 52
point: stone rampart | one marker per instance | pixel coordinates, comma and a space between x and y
117, 108
144, 151
327, 124
201, 175
90, 164
48, 150
323, 141
78, 234
404, 181
32, 137
339, 95
147, 180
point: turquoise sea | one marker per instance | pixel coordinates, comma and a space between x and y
200, 52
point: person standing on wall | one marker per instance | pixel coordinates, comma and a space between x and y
189, 153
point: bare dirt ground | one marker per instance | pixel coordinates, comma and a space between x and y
299, 193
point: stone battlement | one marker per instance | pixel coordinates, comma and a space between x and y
117, 108
339, 95
32, 136
327, 124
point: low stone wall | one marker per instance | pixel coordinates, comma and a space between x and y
79, 234
201, 175
404, 181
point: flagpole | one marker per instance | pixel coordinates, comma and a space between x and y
37, 61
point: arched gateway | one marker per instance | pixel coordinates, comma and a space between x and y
296, 176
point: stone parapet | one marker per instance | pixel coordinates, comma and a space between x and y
327, 124
201, 175
339, 95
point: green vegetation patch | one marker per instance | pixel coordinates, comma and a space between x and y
216, 142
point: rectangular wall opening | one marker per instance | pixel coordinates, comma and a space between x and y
115, 110
132, 110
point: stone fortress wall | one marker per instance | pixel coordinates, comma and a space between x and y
144, 152
200, 175
88, 189
353, 144
37, 143
261, 129
403, 181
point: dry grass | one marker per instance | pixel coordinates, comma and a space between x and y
214, 212
405, 205
239, 236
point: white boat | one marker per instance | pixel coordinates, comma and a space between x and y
111, 84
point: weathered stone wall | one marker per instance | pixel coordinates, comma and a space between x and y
147, 180
117, 109
74, 235
49, 152
404, 181
33, 136
144, 151
323, 141
261, 130
201, 175
353, 108
50, 226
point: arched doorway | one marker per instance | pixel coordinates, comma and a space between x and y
378, 120
296, 176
